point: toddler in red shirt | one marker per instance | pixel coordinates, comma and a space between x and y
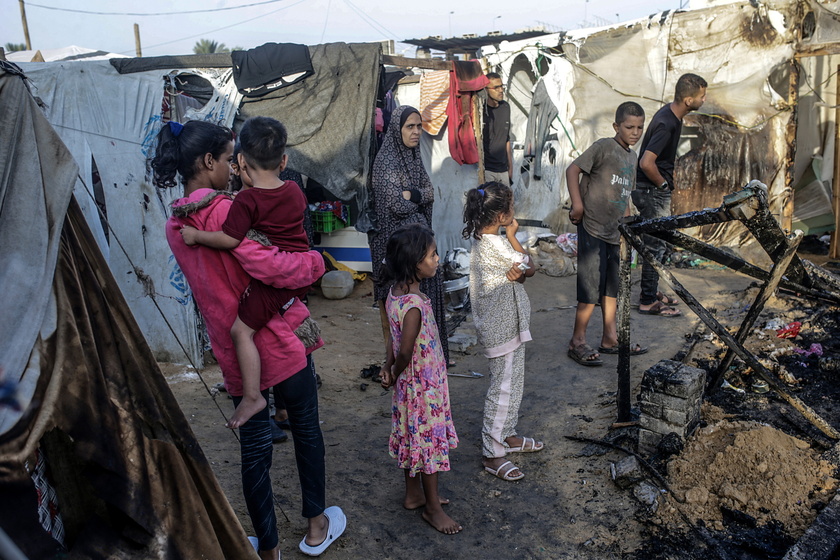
271, 207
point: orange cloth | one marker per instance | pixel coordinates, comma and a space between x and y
434, 99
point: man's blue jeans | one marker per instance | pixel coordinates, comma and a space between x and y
651, 203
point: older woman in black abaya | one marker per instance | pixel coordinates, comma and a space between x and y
403, 194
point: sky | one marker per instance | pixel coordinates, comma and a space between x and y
296, 21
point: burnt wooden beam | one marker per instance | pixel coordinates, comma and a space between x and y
821, 49
822, 277
772, 239
790, 138
834, 250
750, 206
687, 220
727, 338
757, 307
737, 264
623, 398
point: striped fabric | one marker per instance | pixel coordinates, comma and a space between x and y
48, 513
434, 98
501, 405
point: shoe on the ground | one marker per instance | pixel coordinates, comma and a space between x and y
337, 523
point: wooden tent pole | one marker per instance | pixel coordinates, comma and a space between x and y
138, 51
25, 26
786, 220
834, 252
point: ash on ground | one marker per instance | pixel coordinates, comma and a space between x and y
753, 478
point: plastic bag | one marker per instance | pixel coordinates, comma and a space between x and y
569, 243
791, 330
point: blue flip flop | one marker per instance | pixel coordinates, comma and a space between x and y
337, 523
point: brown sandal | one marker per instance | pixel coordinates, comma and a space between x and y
585, 355
659, 308
666, 299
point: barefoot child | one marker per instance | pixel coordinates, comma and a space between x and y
275, 208
502, 314
599, 183
422, 431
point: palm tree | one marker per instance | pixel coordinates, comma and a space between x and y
207, 46
12, 47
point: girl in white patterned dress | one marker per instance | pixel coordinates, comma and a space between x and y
502, 314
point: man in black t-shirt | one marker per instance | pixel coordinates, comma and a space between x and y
498, 162
655, 181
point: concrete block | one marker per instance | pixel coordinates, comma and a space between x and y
656, 375
661, 426
648, 441
650, 409
337, 284
626, 472
668, 401
675, 379
679, 417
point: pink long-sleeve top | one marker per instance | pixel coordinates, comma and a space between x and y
217, 279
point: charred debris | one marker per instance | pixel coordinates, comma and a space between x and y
668, 412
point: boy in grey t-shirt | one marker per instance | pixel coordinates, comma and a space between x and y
599, 183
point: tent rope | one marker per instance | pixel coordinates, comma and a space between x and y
154, 301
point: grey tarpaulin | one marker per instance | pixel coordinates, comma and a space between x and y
30, 223
329, 116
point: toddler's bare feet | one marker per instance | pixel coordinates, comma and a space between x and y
246, 409
442, 522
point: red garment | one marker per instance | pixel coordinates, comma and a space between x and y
260, 302
278, 213
465, 79
217, 279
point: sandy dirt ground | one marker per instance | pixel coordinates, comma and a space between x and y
566, 507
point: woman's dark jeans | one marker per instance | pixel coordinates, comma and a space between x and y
301, 398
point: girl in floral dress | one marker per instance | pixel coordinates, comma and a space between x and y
422, 432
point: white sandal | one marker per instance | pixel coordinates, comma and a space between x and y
506, 475
529, 445
337, 523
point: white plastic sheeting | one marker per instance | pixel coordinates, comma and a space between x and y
113, 120
742, 50
64, 53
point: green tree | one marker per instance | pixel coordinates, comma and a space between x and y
12, 47
206, 46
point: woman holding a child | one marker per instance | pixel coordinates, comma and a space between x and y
199, 154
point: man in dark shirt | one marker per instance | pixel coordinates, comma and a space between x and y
655, 181
498, 163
